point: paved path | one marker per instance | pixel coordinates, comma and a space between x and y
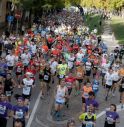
42, 117
108, 36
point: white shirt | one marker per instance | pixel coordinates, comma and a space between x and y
116, 67
60, 94
109, 79
25, 58
27, 86
10, 60
88, 66
105, 68
53, 66
79, 56
33, 49
71, 62
115, 76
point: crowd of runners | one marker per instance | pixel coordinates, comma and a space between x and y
63, 51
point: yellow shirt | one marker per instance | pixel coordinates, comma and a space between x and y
83, 115
62, 68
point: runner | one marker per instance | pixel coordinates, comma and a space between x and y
70, 84
19, 72
9, 84
71, 123
47, 77
5, 110
90, 102
10, 59
62, 70
88, 119
28, 84
109, 82
80, 76
61, 95
88, 68
20, 111
112, 117
121, 90
85, 91
95, 85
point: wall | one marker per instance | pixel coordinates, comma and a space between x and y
2, 12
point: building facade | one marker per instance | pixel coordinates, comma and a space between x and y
2, 12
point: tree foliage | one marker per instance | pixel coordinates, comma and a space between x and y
50, 4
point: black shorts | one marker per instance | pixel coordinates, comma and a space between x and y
108, 87
121, 90
109, 125
10, 67
18, 73
83, 100
3, 122
88, 73
114, 82
41, 77
26, 96
69, 91
80, 80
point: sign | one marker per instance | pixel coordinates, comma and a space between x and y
18, 15
10, 18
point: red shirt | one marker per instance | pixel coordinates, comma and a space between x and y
50, 40
32, 71
70, 81
75, 47
55, 52
19, 67
59, 47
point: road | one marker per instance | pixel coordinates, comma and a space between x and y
41, 109
42, 116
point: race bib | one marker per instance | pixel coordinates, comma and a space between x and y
46, 77
61, 76
2, 70
26, 90
25, 64
110, 81
2, 110
8, 93
68, 84
79, 74
110, 120
89, 124
10, 63
63, 69
123, 85
19, 69
86, 95
19, 114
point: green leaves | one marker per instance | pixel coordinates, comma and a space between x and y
49, 4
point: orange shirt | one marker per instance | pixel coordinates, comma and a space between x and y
121, 72
45, 47
86, 91
80, 73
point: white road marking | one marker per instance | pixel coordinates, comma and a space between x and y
33, 111
103, 112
